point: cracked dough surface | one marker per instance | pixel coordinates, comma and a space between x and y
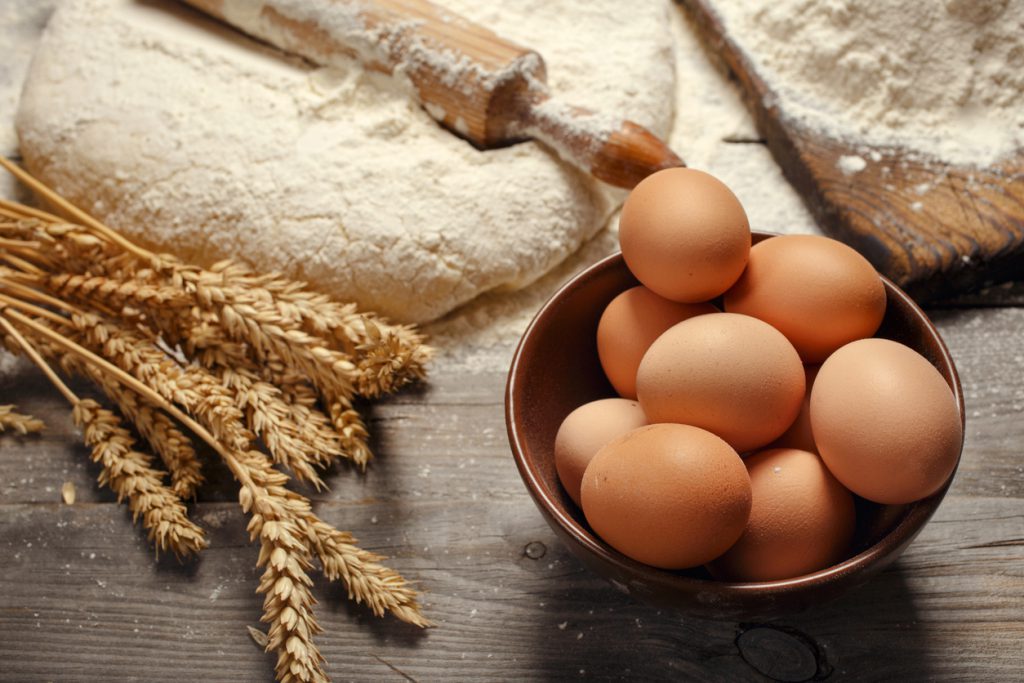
195, 140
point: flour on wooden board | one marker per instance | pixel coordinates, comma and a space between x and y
193, 139
944, 79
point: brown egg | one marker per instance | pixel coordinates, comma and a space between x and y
885, 421
585, 431
684, 235
801, 519
817, 291
799, 433
628, 326
668, 495
731, 374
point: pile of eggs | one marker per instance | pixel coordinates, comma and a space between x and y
753, 402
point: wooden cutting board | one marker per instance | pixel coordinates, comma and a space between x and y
935, 229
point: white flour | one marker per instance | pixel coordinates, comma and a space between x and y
944, 78
193, 139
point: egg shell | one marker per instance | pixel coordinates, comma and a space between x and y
684, 235
799, 434
671, 496
731, 374
585, 431
801, 519
629, 325
885, 422
817, 291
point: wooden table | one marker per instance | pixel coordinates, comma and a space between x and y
82, 597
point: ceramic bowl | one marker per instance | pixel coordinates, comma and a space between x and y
556, 369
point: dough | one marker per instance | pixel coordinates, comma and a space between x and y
196, 140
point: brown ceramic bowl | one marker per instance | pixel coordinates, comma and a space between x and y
556, 368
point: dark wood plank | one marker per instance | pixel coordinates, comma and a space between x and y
83, 598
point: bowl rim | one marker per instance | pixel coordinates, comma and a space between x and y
912, 520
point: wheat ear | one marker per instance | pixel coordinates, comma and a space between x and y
172, 445
126, 471
130, 475
23, 424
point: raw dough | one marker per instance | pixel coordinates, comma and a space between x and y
196, 140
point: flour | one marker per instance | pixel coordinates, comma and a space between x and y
712, 130
943, 78
194, 139
851, 164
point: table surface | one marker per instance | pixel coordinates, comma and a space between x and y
83, 597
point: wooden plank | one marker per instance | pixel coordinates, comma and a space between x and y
82, 598
444, 500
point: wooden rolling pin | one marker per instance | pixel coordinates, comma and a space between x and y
486, 89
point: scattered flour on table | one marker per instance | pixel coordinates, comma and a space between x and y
943, 78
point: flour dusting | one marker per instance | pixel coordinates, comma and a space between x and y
332, 175
942, 78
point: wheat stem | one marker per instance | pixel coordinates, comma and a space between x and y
73, 211
35, 295
123, 377
24, 265
34, 356
34, 310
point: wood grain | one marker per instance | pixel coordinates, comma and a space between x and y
82, 598
934, 228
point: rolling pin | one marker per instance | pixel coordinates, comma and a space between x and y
484, 88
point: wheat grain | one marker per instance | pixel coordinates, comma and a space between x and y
23, 424
173, 446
